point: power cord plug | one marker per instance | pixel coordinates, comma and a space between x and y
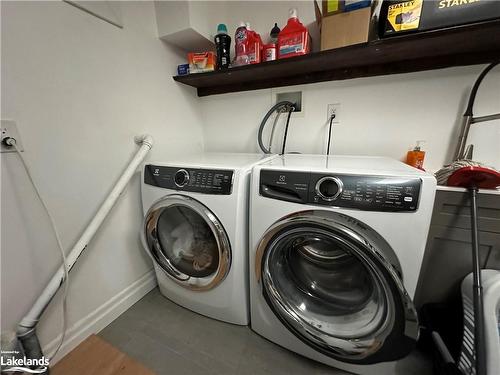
332, 117
291, 108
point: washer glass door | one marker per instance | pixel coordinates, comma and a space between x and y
187, 241
335, 283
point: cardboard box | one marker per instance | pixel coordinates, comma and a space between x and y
330, 7
201, 62
348, 28
350, 5
345, 29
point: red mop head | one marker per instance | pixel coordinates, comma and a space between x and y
475, 176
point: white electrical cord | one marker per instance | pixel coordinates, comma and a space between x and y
12, 142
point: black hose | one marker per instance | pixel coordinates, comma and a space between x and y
472, 97
330, 134
286, 129
274, 108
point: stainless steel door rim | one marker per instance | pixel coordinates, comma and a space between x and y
335, 284
190, 218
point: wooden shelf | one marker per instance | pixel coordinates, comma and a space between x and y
462, 45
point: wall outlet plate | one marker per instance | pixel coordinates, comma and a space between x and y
8, 128
294, 97
333, 108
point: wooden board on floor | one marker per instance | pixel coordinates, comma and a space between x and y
94, 356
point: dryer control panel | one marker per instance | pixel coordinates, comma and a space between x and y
208, 181
373, 193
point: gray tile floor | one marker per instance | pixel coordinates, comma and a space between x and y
175, 341
172, 340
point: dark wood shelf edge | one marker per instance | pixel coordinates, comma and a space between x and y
380, 57
399, 67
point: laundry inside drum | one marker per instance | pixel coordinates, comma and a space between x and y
187, 241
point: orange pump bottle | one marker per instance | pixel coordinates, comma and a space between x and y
294, 39
415, 157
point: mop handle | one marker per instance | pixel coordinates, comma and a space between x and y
479, 338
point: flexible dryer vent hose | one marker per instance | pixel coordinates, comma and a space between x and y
278, 107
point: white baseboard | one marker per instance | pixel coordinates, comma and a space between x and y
102, 316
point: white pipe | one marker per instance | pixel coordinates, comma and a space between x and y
30, 320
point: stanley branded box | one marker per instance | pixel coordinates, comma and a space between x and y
418, 15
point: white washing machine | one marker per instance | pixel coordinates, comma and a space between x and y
196, 231
336, 245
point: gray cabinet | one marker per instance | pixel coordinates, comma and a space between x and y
448, 254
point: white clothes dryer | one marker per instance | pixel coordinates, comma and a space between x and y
196, 231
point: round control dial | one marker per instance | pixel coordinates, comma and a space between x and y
329, 188
181, 177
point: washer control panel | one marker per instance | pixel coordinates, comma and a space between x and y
373, 193
208, 181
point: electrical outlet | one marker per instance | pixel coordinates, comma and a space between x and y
9, 129
333, 109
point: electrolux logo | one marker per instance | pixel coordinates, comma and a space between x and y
12, 363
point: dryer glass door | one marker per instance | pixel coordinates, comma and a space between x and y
336, 285
187, 241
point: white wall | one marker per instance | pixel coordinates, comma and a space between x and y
80, 89
379, 116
